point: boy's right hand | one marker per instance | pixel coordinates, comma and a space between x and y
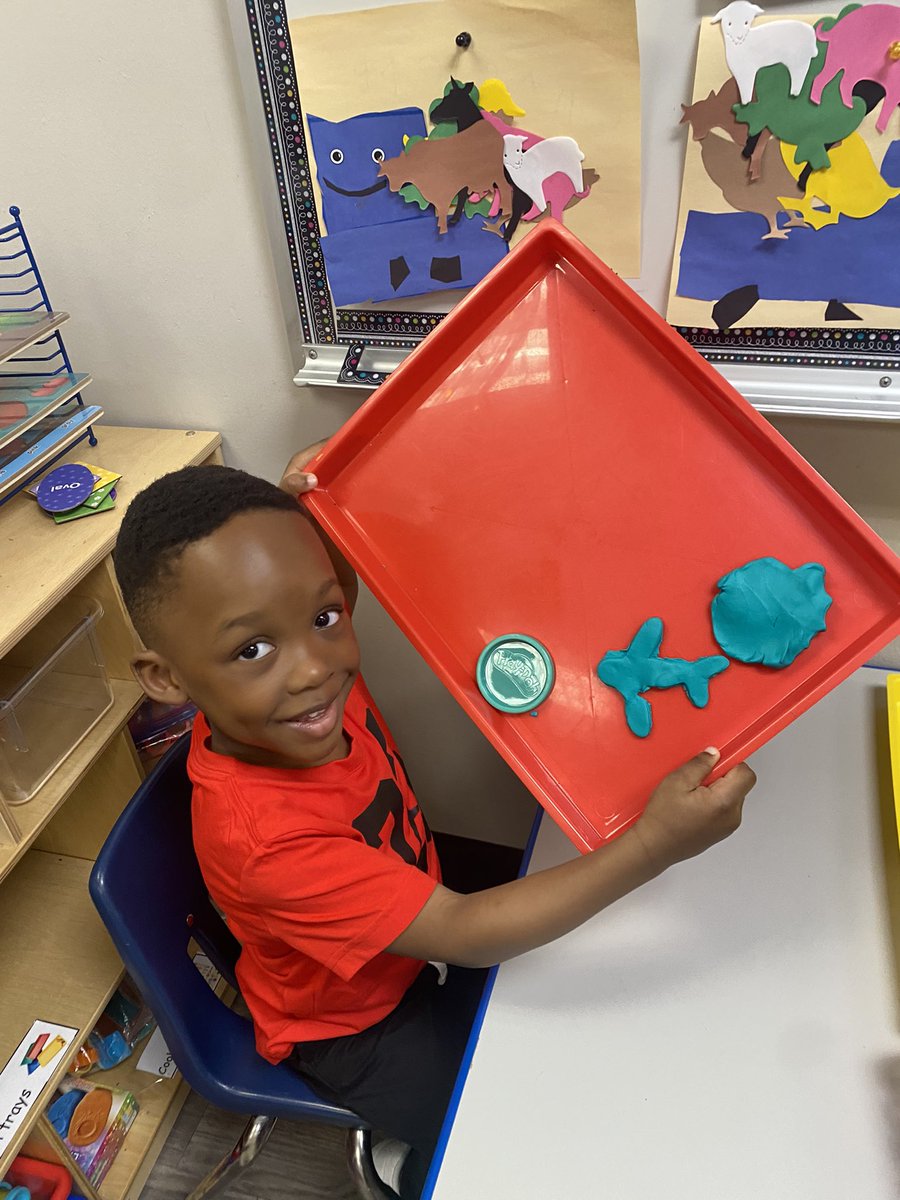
683, 818
296, 479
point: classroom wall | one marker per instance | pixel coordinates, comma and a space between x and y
124, 142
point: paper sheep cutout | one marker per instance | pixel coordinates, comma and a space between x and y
792, 43
530, 169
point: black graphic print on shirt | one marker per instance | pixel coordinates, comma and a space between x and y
409, 835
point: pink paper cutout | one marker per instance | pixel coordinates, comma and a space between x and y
860, 45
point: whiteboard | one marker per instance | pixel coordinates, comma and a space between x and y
667, 36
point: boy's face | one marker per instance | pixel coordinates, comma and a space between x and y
256, 633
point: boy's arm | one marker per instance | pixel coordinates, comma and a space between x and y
682, 819
295, 481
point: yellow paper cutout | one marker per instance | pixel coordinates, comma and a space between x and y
852, 186
494, 97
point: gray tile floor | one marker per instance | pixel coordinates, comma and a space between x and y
299, 1162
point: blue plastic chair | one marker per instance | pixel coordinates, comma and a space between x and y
148, 889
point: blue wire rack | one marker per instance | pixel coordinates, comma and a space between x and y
23, 291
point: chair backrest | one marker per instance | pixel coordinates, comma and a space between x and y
148, 889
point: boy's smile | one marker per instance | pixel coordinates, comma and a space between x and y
255, 631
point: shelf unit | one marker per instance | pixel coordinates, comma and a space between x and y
58, 962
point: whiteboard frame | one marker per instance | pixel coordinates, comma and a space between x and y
327, 344
801, 372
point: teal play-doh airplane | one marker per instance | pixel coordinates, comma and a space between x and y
635, 670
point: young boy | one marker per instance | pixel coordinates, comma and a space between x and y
308, 833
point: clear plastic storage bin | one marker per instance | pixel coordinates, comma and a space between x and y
46, 710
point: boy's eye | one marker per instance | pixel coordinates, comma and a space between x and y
328, 618
255, 651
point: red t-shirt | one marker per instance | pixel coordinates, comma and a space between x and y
317, 870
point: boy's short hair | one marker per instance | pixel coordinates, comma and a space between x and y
166, 517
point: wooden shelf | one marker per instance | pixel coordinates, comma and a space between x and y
58, 961
51, 559
32, 816
16, 338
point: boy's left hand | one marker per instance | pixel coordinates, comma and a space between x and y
296, 480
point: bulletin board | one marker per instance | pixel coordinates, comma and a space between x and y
751, 247
334, 82
759, 356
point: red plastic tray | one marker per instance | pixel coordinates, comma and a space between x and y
554, 460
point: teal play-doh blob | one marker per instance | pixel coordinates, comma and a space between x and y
515, 673
639, 668
767, 612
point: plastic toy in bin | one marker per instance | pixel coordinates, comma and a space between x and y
92, 1121
577, 468
31, 1179
125, 1021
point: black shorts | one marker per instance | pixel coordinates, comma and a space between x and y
399, 1074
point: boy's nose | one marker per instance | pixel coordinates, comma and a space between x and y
308, 670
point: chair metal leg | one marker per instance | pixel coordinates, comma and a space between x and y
247, 1147
362, 1168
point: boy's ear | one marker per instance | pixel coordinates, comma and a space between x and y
154, 673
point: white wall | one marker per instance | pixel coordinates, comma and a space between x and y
123, 139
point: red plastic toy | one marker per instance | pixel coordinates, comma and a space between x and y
554, 461
45, 1181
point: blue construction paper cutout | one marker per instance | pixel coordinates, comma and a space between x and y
848, 261
362, 263
767, 613
639, 668
357, 143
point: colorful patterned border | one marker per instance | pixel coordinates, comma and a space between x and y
319, 320
877, 349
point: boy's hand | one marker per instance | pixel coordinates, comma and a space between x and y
295, 480
683, 818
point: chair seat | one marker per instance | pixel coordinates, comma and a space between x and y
232, 1075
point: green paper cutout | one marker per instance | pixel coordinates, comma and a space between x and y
639, 668
767, 613
795, 119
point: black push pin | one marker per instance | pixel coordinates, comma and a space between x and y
464, 40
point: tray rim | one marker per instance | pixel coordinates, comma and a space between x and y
496, 295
